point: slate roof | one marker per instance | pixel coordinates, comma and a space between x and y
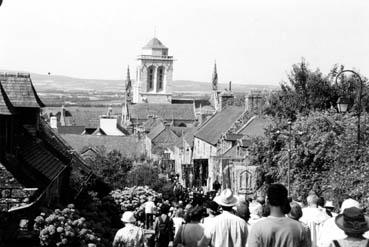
164, 111
255, 127
5, 107
189, 136
127, 145
156, 131
218, 124
77, 130
20, 91
40, 159
179, 131
152, 123
165, 138
85, 116
154, 43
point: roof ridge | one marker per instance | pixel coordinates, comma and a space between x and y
246, 124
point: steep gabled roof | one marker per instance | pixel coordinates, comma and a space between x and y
212, 130
154, 43
165, 138
189, 136
164, 111
152, 123
20, 91
255, 127
156, 131
234, 153
41, 160
5, 106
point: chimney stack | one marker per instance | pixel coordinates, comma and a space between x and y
53, 122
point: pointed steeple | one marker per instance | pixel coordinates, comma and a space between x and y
128, 80
214, 80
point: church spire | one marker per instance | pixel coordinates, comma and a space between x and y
128, 80
214, 80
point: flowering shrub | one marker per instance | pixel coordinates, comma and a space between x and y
64, 228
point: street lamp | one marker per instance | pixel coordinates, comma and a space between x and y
289, 156
343, 102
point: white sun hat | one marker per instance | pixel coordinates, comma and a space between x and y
349, 203
128, 217
226, 198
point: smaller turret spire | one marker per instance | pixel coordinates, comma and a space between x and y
214, 80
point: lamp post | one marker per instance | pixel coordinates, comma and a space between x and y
343, 102
289, 156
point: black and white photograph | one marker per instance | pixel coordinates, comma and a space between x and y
184, 123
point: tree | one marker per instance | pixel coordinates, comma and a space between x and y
143, 174
324, 156
112, 167
308, 90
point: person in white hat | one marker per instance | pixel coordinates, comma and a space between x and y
129, 235
330, 231
354, 223
227, 229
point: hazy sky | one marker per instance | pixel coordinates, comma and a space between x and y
252, 41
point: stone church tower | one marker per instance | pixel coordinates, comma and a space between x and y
154, 74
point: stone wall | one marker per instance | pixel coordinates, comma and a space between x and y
12, 193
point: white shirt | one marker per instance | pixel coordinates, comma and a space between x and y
177, 222
149, 207
129, 236
227, 230
314, 218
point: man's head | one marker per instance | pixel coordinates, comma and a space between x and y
296, 211
278, 197
312, 200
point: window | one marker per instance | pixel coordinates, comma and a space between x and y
160, 78
150, 78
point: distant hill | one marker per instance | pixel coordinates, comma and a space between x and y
65, 83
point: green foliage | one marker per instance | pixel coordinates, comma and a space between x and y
112, 167
308, 90
102, 214
143, 174
324, 155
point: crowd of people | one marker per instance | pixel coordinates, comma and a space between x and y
230, 221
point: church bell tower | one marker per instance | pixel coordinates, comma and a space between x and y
154, 74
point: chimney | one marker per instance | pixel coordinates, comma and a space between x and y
53, 122
167, 125
253, 102
62, 116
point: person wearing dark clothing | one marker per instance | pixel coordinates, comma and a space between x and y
164, 228
216, 185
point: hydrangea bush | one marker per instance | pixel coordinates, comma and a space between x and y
64, 228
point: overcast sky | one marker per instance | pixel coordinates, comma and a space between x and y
252, 41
